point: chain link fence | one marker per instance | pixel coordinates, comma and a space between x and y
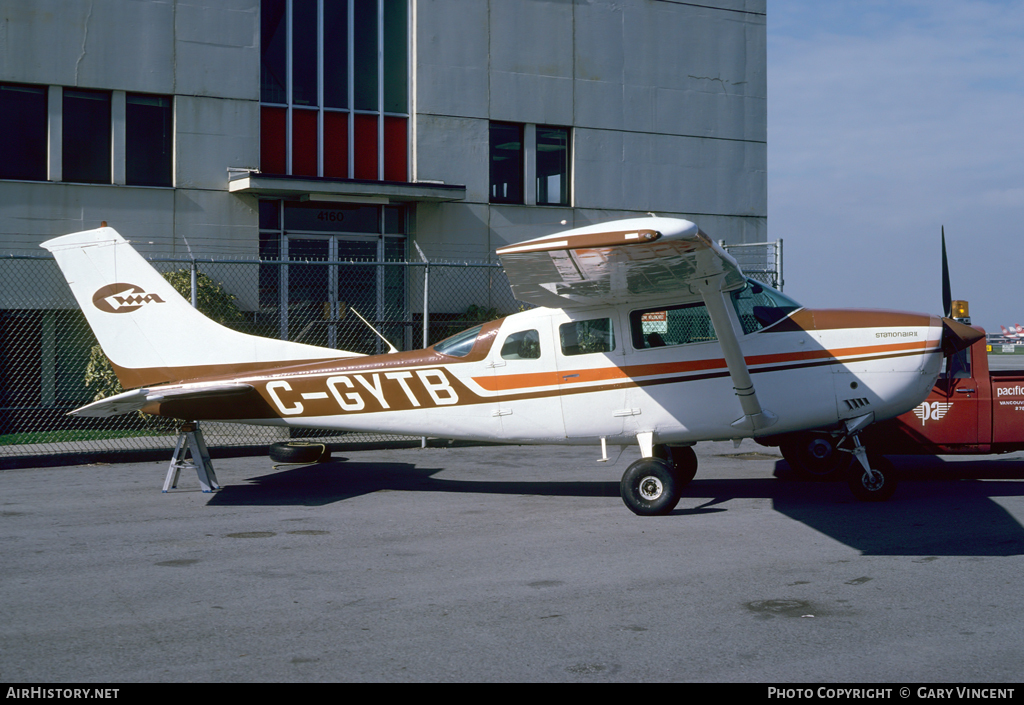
760, 260
51, 363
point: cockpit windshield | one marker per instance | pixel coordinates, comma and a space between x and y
459, 344
759, 306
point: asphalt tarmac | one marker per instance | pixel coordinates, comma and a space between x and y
510, 564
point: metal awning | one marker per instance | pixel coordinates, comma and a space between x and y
309, 188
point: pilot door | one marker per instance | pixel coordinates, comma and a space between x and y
523, 365
590, 359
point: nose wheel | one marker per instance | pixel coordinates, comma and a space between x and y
872, 477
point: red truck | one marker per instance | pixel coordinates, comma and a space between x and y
972, 410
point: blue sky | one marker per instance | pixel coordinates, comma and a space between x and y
887, 121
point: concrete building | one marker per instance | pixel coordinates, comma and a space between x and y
173, 119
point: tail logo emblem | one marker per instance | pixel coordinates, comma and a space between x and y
123, 298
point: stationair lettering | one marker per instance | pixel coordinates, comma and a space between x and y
364, 392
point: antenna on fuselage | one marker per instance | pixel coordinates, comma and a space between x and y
391, 348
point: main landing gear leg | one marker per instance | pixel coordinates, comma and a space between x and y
872, 477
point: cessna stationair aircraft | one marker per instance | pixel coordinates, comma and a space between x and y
646, 333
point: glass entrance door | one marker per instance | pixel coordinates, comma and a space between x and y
341, 260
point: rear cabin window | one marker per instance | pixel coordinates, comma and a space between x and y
672, 325
524, 345
584, 337
757, 306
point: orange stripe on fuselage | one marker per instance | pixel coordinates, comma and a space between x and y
505, 383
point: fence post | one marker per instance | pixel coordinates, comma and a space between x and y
778, 265
426, 303
195, 286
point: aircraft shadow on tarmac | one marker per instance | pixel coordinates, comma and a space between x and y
940, 509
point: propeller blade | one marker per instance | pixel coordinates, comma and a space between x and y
956, 336
947, 296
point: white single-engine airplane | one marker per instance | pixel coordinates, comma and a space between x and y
646, 333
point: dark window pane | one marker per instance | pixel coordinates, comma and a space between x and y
396, 63
304, 52
506, 163
553, 166
269, 216
86, 141
273, 51
336, 54
365, 39
270, 274
394, 220
23, 132
149, 142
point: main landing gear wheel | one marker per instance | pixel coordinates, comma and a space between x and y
814, 456
650, 487
682, 459
878, 488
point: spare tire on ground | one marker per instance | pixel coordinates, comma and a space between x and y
299, 452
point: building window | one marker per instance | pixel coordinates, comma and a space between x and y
334, 88
148, 140
66, 134
552, 166
506, 162
537, 156
86, 136
23, 136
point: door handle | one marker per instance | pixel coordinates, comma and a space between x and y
965, 391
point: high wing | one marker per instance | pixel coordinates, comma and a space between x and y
624, 260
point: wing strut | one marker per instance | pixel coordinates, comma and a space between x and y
755, 418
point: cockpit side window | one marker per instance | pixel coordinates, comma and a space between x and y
524, 345
759, 306
585, 337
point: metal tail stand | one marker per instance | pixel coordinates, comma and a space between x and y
191, 443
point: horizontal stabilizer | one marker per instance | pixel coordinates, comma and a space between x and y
127, 402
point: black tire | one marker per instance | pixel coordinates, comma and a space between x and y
884, 485
814, 456
682, 459
299, 452
649, 487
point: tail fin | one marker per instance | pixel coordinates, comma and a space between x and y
147, 330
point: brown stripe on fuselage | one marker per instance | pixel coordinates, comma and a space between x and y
133, 378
